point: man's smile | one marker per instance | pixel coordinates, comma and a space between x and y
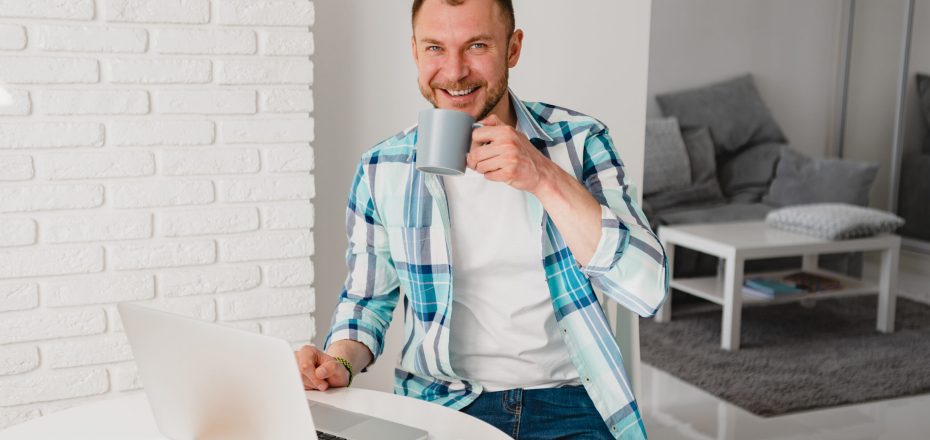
460, 92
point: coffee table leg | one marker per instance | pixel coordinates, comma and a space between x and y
664, 314
809, 263
732, 303
887, 290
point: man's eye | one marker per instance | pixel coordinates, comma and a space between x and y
433, 48
479, 46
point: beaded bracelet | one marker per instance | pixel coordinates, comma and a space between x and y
348, 366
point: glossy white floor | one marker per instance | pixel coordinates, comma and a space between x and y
676, 410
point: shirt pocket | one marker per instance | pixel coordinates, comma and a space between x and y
395, 213
413, 245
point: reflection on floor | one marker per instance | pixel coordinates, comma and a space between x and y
675, 410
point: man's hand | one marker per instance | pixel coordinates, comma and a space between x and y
504, 154
319, 370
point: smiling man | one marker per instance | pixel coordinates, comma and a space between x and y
497, 267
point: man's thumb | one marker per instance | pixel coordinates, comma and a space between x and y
322, 372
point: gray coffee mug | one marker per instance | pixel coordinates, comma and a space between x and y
443, 141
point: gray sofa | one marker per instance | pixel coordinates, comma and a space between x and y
914, 193
739, 167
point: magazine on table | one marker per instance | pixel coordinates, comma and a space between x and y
791, 284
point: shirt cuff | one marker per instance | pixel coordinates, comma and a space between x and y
345, 332
615, 236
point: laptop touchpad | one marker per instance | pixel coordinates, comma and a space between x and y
332, 419
383, 429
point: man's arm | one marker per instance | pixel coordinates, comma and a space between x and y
503, 154
575, 213
367, 302
602, 225
630, 265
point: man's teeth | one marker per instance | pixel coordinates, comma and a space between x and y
461, 92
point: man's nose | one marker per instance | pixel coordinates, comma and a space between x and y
456, 67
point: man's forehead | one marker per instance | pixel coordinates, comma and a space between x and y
438, 20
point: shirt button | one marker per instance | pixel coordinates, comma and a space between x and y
587, 379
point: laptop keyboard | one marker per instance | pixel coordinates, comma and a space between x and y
324, 436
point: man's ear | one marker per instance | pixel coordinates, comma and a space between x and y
413, 48
516, 45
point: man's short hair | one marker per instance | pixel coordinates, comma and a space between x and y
506, 6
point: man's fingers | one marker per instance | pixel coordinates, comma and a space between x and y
315, 381
489, 133
320, 371
323, 371
336, 373
476, 155
308, 385
491, 120
307, 356
495, 163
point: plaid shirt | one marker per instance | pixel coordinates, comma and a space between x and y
399, 241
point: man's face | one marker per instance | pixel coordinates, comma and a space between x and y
463, 54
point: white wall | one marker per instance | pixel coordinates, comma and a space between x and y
590, 57
365, 91
155, 151
792, 47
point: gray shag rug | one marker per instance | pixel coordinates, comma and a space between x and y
794, 358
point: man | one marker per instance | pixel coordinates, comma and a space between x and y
496, 266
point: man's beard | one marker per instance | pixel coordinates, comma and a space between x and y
494, 94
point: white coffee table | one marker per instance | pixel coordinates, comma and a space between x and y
737, 242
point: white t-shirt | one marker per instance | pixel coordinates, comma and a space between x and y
503, 329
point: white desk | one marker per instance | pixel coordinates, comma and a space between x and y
130, 418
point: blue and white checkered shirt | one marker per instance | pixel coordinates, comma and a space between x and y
399, 241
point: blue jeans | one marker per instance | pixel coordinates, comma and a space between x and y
550, 413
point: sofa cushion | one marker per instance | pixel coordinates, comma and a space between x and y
704, 189
731, 212
692, 196
801, 180
701, 153
733, 110
745, 177
923, 91
666, 161
834, 221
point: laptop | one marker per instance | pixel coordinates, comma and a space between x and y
207, 382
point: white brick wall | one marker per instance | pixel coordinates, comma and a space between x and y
155, 151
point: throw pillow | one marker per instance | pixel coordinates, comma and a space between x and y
801, 180
923, 91
666, 160
704, 189
834, 221
745, 177
733, 111
700, 147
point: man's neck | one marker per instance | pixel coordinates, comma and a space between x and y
505, 111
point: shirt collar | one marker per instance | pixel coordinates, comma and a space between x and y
525, 121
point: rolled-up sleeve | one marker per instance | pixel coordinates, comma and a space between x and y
629, 264
371, 289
